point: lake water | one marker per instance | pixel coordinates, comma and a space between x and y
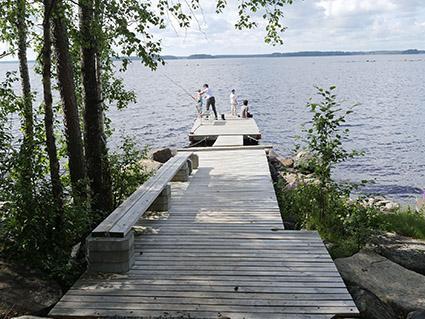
389, 125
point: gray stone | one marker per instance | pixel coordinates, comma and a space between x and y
389, 282
150, 165
405, 251
287, 162
418, 314
369, 305
162, 155
25, 291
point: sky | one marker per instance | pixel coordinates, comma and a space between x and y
313, 25
323, 25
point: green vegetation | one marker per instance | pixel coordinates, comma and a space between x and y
325, 205
404, 222
58, 179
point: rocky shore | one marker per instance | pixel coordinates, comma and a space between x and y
387, 277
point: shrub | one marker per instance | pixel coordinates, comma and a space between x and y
126, 170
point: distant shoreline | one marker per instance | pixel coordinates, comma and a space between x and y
293, 54
278, 55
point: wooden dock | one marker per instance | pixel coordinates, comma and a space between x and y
219, 252
210, 129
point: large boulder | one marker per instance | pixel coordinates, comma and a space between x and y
369, 305
162, 155
405, 251
392, 284
418, 314
150, 165
23, 291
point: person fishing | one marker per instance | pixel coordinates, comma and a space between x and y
210, 99
233, 103
199, 102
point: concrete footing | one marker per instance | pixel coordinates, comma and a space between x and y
183, 174
163, 201
110, 254
195, 161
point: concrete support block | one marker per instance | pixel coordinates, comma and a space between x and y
163, 201
183, 174
110, 254
189, 163
195, 161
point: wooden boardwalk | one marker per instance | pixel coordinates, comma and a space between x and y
220, 252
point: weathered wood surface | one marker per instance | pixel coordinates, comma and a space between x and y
220, 252
232, 126
228, 140
122, 219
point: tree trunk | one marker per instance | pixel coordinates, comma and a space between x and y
72, 119
27, 111
57, 190
95, 143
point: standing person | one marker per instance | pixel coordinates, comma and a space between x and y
210, 100
244, 109
233, 103
199, 102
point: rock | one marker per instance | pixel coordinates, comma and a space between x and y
418, 314
291, 180
381, 203
162, 155
24, 291
287, 162
30, 317
150, 165
392, 284
304, 161
369, 305
391, 206
405, 251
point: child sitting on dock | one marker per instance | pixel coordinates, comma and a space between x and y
245, 109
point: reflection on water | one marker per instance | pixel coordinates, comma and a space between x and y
388, 125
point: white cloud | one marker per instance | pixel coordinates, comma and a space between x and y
336, 8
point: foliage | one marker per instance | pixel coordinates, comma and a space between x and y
118, 31
346, 224
126, 170
404, 222
325, 206
324, 140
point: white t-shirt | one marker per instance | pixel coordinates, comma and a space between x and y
233, 99
207, 92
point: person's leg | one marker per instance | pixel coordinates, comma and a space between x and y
208, 104
213, 107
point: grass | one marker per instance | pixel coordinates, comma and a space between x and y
406, 223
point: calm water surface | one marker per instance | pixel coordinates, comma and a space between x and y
389, 125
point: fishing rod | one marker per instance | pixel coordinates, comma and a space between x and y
179, 86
